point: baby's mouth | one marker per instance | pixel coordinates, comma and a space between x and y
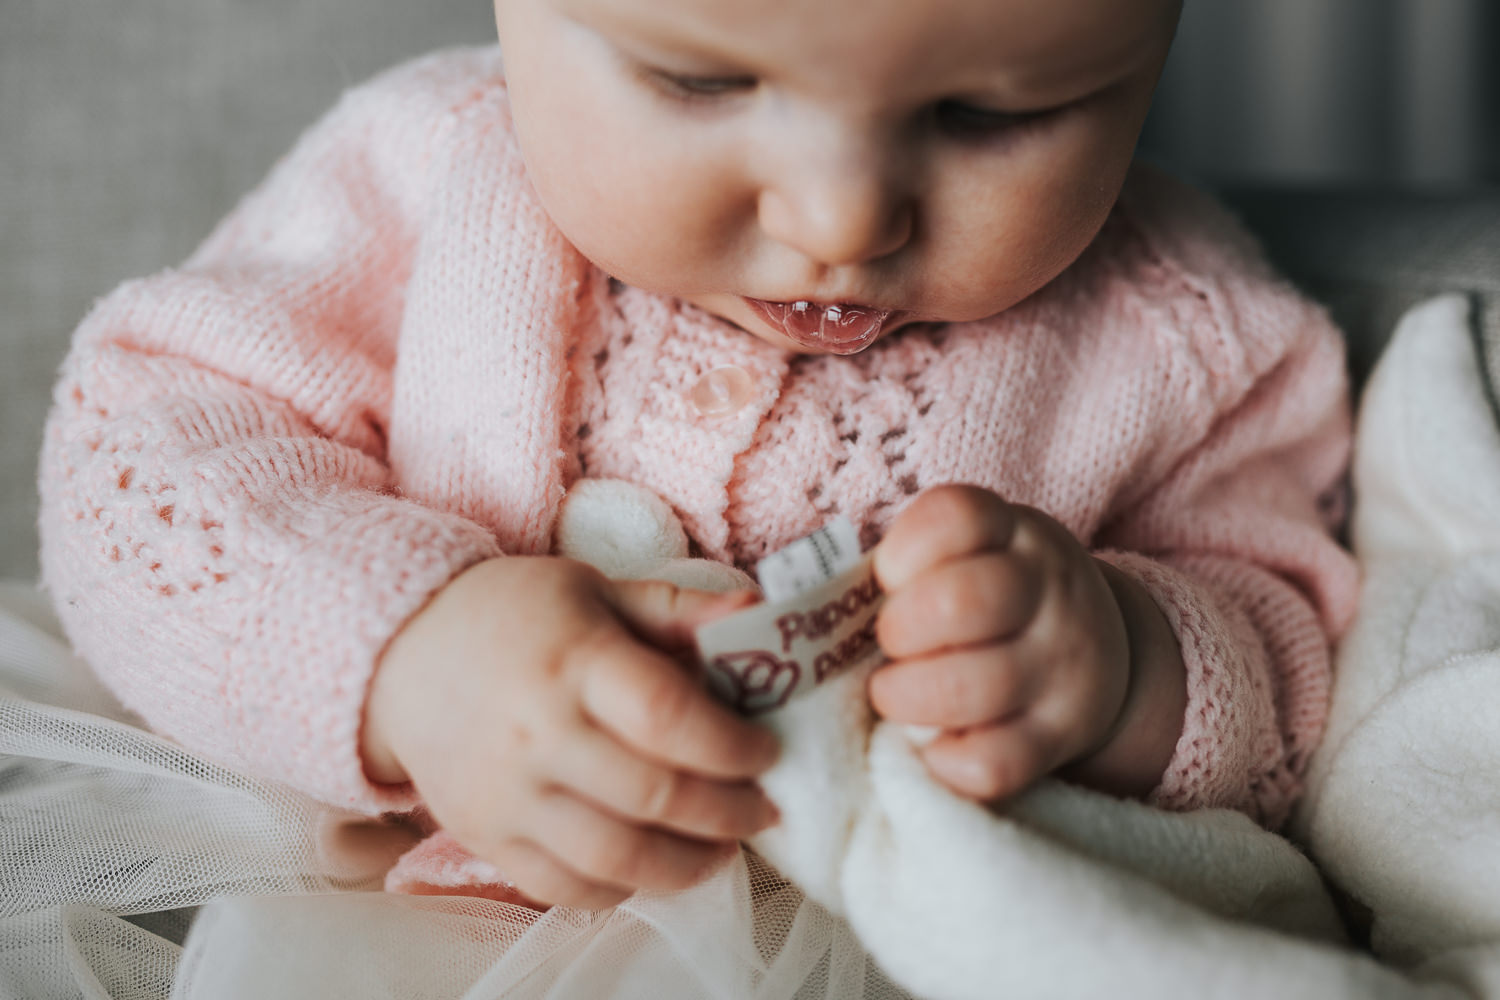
837, 328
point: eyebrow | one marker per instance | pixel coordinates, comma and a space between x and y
1056, 65
1056, 74
1084, 77
654, 38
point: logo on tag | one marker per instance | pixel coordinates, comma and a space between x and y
760, 658
753, 680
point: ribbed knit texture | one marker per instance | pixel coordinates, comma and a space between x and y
387, 364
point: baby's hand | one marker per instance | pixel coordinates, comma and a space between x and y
539, 709
1003, 631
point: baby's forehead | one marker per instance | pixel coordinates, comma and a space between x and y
1031, 45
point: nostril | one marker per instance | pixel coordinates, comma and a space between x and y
899, 229
839, 225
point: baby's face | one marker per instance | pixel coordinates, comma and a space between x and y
821, 172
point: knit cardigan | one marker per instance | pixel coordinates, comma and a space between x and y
387, 364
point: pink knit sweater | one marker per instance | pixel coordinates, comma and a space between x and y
387, 365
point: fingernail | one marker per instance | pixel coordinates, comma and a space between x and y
920, 736
770, 751
886, 570
744, 598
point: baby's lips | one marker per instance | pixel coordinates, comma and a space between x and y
838, 328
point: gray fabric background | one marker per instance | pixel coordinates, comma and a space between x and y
1369, 257
1346, 92
126, 131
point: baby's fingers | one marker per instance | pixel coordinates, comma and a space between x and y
665, 615
597, 768
662, 712
992, 762
613, 853
981, 598
957, 689
543, 878
945, 522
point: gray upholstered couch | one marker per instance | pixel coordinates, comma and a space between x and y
125, 133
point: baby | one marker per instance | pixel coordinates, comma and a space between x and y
775, 262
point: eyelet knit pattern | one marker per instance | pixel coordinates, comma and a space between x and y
387, 364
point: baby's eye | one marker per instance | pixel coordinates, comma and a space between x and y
690, 88
971, 121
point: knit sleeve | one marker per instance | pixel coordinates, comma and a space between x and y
1237, 543
220, 531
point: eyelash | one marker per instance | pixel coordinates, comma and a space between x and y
960, 119
697, 88
968, 121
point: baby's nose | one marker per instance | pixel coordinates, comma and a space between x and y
837, 215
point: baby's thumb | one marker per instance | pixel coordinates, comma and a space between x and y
666, 615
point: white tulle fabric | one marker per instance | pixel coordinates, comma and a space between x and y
112, 841
132, 868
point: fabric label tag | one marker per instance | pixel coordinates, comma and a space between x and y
760, 658
809, 562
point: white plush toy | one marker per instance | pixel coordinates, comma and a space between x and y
1069, 893
627, 532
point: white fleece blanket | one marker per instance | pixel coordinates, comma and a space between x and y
913, 891
1403, 810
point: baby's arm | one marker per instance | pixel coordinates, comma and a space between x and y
547, 717
1237, 549
1191, 663
1226, 528
219, 527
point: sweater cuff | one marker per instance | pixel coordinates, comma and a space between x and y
301, 683
1230, 744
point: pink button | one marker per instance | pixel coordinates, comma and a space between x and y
723, 391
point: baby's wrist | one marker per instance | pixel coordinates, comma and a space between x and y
1138, 747
384, 700
381, 766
